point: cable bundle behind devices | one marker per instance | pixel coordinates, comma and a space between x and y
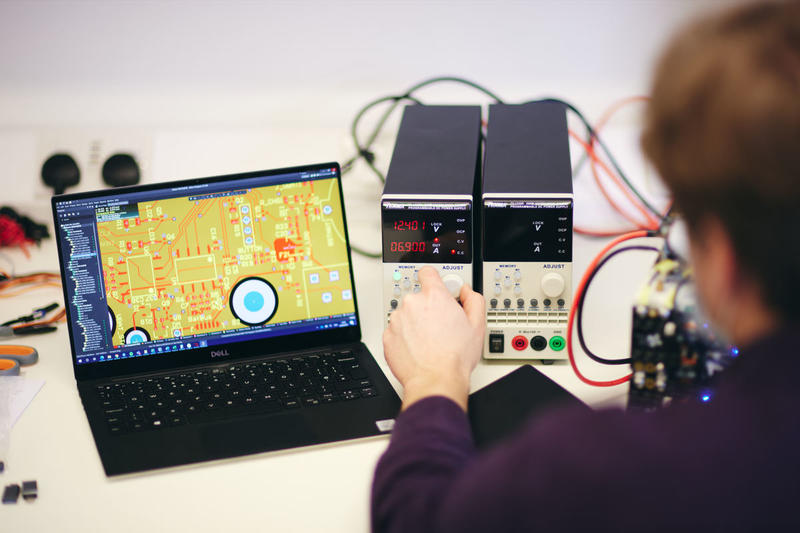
650, 217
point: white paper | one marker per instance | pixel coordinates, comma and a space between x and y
16, 393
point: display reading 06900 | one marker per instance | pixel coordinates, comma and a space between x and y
426, 232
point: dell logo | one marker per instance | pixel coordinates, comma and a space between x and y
219, 353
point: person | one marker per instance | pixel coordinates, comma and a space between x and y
723, 130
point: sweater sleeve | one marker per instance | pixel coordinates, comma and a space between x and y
431, 444
550, 476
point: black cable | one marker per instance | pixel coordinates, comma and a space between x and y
455, 79
364, 151
365, 253
579, 318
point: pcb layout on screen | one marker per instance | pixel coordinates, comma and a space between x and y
223, 261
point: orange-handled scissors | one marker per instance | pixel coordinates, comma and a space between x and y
12, 356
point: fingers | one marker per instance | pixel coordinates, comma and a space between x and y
429, 278
473, 306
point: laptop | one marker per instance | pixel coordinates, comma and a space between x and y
217, 317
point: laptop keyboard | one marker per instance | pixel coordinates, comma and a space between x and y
238, 389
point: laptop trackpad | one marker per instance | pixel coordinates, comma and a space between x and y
256, 434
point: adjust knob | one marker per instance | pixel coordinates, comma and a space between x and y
453, 284
507, 281
517, 275
552, 284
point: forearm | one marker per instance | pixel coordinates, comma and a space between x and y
431, 445
452, 386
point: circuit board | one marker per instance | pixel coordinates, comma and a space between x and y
217, 262
675, 353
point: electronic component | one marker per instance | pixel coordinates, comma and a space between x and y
675, 354
30, 490
427, 212
11, 493
527, 231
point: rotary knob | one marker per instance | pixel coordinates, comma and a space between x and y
453, 284
552, 284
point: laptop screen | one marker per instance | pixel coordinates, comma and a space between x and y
198, 265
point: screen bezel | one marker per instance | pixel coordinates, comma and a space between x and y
238, 350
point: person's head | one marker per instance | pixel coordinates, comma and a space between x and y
723, 131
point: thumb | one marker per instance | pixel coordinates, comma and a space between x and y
473, 305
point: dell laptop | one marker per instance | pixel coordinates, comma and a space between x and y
216, 317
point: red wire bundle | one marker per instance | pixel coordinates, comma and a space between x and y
12, 234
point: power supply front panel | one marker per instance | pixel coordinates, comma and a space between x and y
417, 233
527, 276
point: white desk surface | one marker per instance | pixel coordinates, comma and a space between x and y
323, 488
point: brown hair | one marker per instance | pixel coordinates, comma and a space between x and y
723, 130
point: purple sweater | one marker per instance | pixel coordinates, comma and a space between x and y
730, 465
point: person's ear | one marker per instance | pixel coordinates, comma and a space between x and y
717, 273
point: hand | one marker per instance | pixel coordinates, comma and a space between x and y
432, 343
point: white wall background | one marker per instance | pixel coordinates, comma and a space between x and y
310, 61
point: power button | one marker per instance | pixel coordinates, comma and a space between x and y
496, 342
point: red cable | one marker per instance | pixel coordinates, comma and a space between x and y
595, 160
577, 300
616, 106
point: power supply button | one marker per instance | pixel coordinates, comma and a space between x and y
496, 342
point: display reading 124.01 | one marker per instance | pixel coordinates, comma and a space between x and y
431, 233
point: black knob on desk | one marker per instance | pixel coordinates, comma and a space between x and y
493, 302
59, 172
120, 170
507, 302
